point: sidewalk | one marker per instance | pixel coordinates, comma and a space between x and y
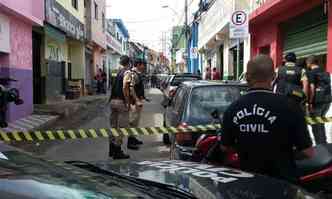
46, 114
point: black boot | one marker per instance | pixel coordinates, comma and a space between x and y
116, 152
132, 144
135, 140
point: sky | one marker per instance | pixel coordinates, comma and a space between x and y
146, 20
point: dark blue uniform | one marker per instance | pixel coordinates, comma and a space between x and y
265, 128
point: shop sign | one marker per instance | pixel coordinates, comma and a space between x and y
193, 52
239, 25
113, 43
59, 17
4, 34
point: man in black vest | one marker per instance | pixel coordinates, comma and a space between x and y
120, 106
292, 80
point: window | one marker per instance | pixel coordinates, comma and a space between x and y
74, 3
96, 11
103, 21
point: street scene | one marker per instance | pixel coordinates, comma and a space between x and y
165, 99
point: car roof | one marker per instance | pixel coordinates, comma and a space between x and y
199, 83
186, 75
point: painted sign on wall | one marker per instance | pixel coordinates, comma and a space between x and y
59, 17
4, 34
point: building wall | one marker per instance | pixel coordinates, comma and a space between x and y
269, 16
79, 13
97, 33
33, 10
18, 65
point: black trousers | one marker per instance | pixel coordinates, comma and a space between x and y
319, 110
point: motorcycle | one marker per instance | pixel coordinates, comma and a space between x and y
316, 173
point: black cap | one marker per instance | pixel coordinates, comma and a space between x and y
290, 57
140, 61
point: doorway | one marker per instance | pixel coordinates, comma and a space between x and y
38, 80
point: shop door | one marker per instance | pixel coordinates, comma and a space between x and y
38, 81
306, 34
55, 78
221, 55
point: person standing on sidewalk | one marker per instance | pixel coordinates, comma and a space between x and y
120, 105
319, 97
215, 74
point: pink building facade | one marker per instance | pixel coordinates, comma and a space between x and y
18, 17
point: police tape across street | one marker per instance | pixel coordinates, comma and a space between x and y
52, 135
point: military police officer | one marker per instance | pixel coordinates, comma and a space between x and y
264, 128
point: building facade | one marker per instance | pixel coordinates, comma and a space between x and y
96, 45
178, 61
215, 47
17, 20
58, 52
299, 26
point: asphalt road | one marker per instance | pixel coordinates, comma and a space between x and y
96, 115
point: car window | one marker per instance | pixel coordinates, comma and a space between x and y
204, 100
178, 80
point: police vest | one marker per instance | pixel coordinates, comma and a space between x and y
117, 89
139, 86
289, 81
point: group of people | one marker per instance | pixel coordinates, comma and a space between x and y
212, 75
127, 97
101, 79
267, 126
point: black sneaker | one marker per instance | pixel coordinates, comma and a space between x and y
134, 140
120, 155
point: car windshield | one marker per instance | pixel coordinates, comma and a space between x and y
205, 100
178, 80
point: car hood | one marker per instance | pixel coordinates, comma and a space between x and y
205, 181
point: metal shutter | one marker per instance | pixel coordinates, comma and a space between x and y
307, 34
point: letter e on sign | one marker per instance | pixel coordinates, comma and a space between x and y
239, 25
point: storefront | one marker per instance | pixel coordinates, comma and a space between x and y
303, 30
64, 51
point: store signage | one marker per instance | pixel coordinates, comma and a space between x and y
114, 44
4, 34
61, 18
239, 25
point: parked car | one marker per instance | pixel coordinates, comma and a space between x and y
193, 104
175, 80
24, 176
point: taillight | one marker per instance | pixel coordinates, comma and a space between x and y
183, 137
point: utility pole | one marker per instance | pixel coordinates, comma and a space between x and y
186, 32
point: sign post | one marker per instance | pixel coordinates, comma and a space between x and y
238, 30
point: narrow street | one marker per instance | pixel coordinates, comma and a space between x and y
96, 115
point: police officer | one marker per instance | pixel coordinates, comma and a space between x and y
292, 80
319, 98
264, 128
120, 105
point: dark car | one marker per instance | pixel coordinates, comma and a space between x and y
175, 80
23, 176
193, 104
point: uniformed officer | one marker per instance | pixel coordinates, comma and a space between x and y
264, 128
292, 80
120, 106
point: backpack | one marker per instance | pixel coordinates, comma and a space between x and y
323, 88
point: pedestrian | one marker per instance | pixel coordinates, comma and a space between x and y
99, 80
264, 128
120, 105
215, 74
199, 72
319, 97
292, 81
208, 73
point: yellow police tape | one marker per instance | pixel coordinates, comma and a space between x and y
51, 135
